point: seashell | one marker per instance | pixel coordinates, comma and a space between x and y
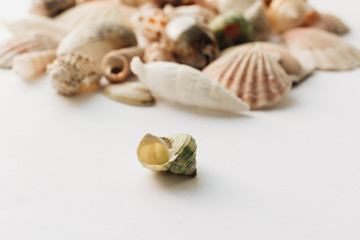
190, 42
85, 1
95, 11
33, 64
97, 39
115, 65
321, 49
252, 74
185, 85
256, 15
231, 28
158, 51
35, 23
74, 73
136, 3
175, 153
330, 23
133, 93
239, 6
287, 14
203, 15
24, 43
50, 8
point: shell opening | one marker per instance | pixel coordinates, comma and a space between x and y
153, 150
116, 68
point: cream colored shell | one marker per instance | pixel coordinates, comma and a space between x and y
330, 23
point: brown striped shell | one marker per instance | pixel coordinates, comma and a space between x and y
50, 8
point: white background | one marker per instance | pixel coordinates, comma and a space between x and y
68, 166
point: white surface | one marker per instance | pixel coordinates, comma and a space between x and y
68, 166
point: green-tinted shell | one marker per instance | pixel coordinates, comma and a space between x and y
176, 153
231, 29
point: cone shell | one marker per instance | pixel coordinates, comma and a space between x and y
331, 23
24, 43
50, 8
31, 65
185, 85
176, 153
321, 49
287, 14
256, 15
97, 39
252, 74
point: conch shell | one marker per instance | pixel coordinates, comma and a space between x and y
175, 153
321, 49
115, 65
24, 43
330, 23
252, 74
31, 65
185, 85
50, 8
287, 14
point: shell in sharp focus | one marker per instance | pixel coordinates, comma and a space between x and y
321, 49
35, 23
287, 14
256, 15
252, 74
176, 153
31, 65
24, 43
73, 73
115, 66
185, 85
330, 23
97, 39
239, 6
50, 8
133, 93
93, 12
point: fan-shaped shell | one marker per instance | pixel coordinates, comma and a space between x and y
185, 85
50, 8
331, 23
321, 49
252, 74
24, 43
30, 65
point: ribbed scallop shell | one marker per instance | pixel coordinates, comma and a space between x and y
252, 74
321, 49
30, 65
95, 11
185, 85
331, 23
50, 8
24, 43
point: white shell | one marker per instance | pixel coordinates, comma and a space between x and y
185, 85
30, 65
330, 23
202, 14
234, 5
321, 49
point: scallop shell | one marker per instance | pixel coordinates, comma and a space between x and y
256, 15
73, 73
50, 8
175, 153
116, 64
185, 85
24, 43
31, 65
321, 49
133, 93
93, 12
202, 14
331, 23
252, 74
239, 6
287, 14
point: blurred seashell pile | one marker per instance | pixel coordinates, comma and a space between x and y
222, 55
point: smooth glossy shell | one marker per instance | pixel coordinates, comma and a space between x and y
256, 15
50, 8
203, 15
185, 85
176, 153
239, 6
321, 49
252, 74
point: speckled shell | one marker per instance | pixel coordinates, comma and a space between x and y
93, 12
287, 14
185, 85
252, 74
175, 153
24, 43
321, 49
31, 65
158, 51
330, 23
97, 39
50, 8
256, 15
